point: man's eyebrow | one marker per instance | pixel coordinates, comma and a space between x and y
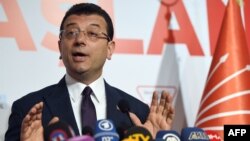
92, 25
95, 25
70, 24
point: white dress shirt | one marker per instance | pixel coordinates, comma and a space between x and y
98, 97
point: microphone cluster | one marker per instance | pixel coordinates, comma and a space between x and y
61, 131
105, 130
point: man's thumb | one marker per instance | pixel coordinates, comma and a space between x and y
135, 119
53, 120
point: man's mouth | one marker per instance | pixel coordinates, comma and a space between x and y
78, 54
79, 57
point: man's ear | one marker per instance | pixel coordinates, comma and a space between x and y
59, 46
111, 49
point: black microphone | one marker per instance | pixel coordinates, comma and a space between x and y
138, 133
87, 130
87, 135
105, 131
168, 135
59, 131
193, 133
123, 105
81, 138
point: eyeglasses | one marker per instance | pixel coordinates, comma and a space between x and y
90, 34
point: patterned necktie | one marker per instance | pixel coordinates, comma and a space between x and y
88, 113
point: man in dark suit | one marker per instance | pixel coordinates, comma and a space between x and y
85, 42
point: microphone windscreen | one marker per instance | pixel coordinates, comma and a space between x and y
82, 138
59, 131
105, 131
87, 130
123, 106
193, 133
168, 135
138, 133
213, 136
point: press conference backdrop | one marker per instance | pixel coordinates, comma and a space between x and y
160, 45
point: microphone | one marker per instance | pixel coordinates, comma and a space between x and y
87, 130
213, 136
59, 131
87, 135
124, 107
137, 133
193, 133
81, 138
168, 135
105, 131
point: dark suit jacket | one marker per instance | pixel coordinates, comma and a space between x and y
57, 103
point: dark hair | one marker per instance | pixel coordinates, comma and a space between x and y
88, 9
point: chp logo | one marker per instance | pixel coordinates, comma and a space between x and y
105, 125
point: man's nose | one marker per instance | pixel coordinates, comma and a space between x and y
81, 37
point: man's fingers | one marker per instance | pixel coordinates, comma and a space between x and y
53, 120
36, 108
154, 102
33, 114
25, 123
164, 105
39, 107
170, 116
135, 119
163, 102
32, 123
169, 109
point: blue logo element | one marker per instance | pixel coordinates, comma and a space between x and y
106, 125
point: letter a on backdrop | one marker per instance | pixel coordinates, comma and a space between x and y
226, 98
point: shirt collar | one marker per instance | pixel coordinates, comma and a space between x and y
75, 88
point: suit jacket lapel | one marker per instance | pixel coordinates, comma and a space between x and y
59, 105
112, 101
120, 119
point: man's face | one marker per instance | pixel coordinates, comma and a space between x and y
84, 46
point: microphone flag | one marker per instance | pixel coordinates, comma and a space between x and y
59, 131
105, 131
193, 134
168, 135
226, 95
137, 133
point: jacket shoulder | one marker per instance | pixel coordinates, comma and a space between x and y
36, 96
